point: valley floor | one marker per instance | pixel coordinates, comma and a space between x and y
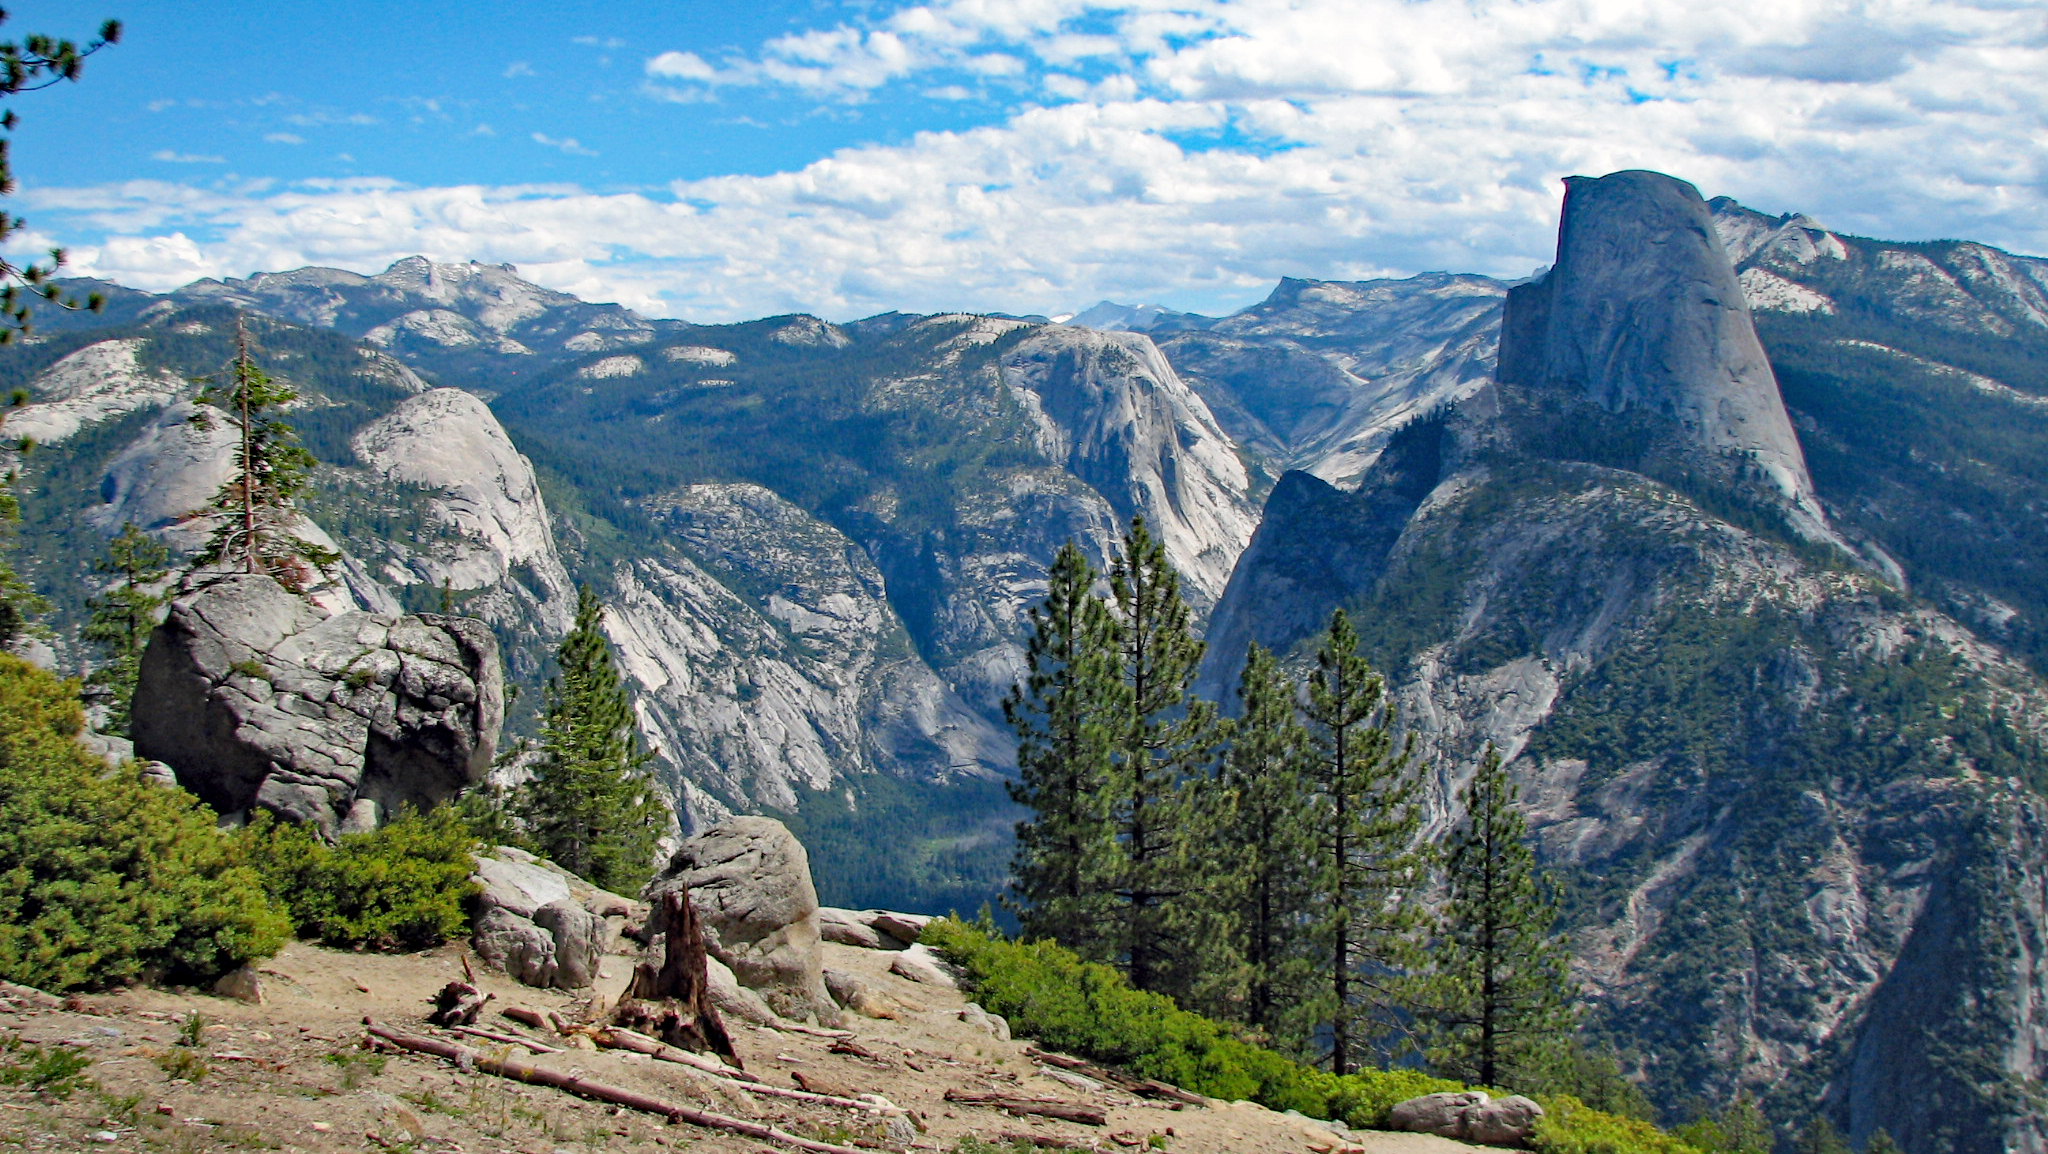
293, 1074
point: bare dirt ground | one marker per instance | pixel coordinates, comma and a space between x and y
182, 1071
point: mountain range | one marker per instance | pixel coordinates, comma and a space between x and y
1727, 529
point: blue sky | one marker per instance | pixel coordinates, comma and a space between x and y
716, 161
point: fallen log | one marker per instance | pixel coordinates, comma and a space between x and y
508, 1039
1043, 1107
1143, 1087
577, 1084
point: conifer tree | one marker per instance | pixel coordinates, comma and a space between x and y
591, 806
1164, 745
1496, 1009
1268, 846
122, 617
255, 513
1366, 860
1067, 858
36, 62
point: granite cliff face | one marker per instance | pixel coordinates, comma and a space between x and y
1643, 311
1109, 408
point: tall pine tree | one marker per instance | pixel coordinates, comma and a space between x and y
1496, 1005
1067, 858
591, 806
1268, 850
1367, 862
1164, 744
255, 514
122, 616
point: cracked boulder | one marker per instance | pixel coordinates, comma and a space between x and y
257, 699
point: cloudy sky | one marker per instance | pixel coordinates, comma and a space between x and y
715, 160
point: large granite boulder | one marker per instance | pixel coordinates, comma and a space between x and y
259, 700
750, 882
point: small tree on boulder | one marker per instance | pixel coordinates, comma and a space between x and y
255, 515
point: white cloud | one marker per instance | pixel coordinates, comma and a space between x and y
681, 66
165, 154
567, 144
1192, 151
284, 138
517, 69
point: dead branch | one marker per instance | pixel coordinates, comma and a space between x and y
813, 1031
508, 1039
1051, 1141
1044, 1107
1143, 1087
458, 1004
526, 1017
620, 1038
849, 1046
597, 1091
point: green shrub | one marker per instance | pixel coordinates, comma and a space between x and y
1364, 1098
106, 878
1091, 1011
1569, 1127
405, 886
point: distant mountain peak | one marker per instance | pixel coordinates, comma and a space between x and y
1108, 316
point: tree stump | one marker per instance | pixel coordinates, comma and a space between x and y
672, 1001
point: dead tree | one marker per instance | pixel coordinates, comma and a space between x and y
672, 1001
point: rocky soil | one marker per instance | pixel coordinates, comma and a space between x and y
295, 1073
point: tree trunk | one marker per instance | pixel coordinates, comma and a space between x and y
672, 1001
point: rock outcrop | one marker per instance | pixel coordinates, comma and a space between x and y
258, 700
544, 925
750, 881
1643, 311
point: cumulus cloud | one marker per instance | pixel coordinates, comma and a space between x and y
1192, 151
168, 156
284, 138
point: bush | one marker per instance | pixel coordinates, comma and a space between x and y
106, 878
1089, 1010
405, 886
1569, 1127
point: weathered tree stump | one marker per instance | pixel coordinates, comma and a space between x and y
672, 1001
